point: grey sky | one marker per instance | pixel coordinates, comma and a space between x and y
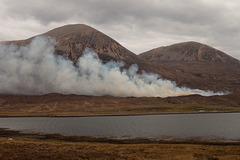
139, 25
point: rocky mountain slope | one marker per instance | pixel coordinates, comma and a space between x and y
73, 39
189, 64
198, 65
188, 52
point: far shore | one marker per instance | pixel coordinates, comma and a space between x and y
57, 105
130, 114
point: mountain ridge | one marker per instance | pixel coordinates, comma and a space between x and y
190, 64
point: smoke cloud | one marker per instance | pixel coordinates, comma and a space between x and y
34, 69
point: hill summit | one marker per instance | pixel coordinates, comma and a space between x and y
197, 65
187, 52
73, 39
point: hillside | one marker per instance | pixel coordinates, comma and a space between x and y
188, 52
189, 64
198, 65
73, 39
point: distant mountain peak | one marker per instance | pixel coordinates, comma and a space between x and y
187, 52
73, 39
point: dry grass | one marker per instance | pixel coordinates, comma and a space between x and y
30, 149
56, 104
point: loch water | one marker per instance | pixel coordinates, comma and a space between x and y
207, 126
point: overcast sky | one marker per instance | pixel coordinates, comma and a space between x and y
139, 25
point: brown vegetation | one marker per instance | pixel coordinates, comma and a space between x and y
57, 104
16, 145
32, 149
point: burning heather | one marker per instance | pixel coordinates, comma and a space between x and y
34, 69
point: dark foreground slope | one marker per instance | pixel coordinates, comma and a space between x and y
198, 65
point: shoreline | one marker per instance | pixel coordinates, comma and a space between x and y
14, 134
36, 149
115, 115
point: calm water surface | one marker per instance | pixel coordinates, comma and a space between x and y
205, 126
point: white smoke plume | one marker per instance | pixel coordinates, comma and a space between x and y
34, 69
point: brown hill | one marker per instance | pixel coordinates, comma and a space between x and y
198, 65
188, 52
73, 39
190, 64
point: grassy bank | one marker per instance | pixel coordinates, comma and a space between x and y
17, 146
32, 149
